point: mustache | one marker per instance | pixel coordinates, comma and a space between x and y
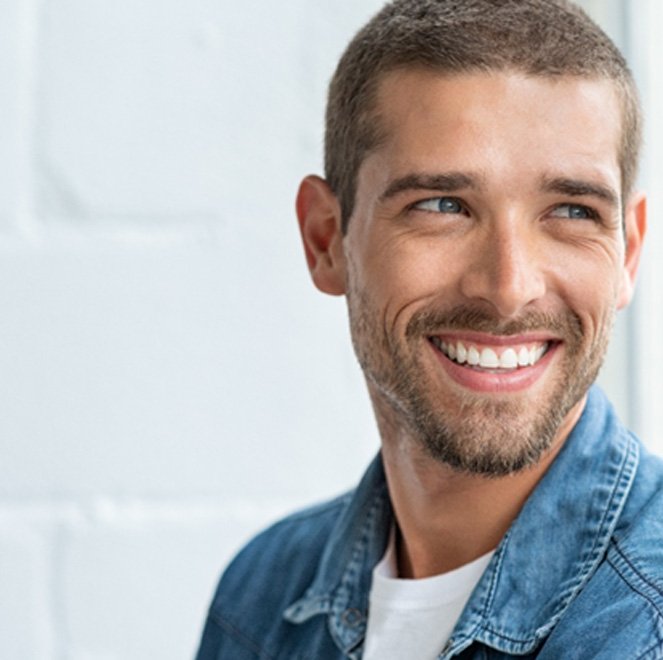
428, 322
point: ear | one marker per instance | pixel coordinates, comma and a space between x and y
635, 224
319, 215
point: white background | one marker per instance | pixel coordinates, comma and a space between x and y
169, 379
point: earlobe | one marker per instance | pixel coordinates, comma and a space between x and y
319, 215
635, 221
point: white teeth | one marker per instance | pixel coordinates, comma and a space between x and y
461, 353
509, 359
488, 359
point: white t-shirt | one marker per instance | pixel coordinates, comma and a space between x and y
414, 618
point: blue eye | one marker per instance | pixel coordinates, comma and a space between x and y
574, 212
440, 205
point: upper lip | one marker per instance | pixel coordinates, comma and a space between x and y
488, 339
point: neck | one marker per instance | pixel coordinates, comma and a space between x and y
447, 518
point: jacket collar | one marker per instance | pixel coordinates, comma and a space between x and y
544, 560
558, 539
343, 580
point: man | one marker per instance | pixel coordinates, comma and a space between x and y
479, 215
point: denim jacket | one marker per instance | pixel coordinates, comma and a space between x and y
578, 575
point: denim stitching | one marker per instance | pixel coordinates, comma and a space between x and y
620, 485
240, 636
644, 579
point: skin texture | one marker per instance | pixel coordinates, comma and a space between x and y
492, 215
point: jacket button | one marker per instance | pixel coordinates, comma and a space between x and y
352, 617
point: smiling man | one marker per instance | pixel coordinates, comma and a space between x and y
480, 217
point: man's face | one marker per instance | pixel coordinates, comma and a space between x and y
485, 259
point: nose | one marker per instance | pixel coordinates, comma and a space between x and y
506, 269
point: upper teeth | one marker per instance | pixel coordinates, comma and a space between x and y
509, 358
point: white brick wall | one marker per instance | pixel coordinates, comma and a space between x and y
27, 544
10, 110
169, 379
165, 362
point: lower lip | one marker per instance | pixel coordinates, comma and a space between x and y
488, 381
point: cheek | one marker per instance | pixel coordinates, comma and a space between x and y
422, 262
386, 284
591, 261
589, 288
412, 276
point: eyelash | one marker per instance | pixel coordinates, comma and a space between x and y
416, 206
591, 213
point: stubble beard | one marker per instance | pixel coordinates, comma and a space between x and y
473, 433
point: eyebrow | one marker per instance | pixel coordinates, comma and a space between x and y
455, 181
447, 182
580, 188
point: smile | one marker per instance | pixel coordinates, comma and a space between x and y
498, 358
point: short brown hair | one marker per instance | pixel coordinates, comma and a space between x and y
537, 37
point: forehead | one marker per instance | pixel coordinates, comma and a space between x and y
499, 121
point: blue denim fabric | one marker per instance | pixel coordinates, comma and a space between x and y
578, 575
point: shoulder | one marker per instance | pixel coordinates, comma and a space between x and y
638, 538
271, 598
619, 612
266, 562
636, 552
271, 572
